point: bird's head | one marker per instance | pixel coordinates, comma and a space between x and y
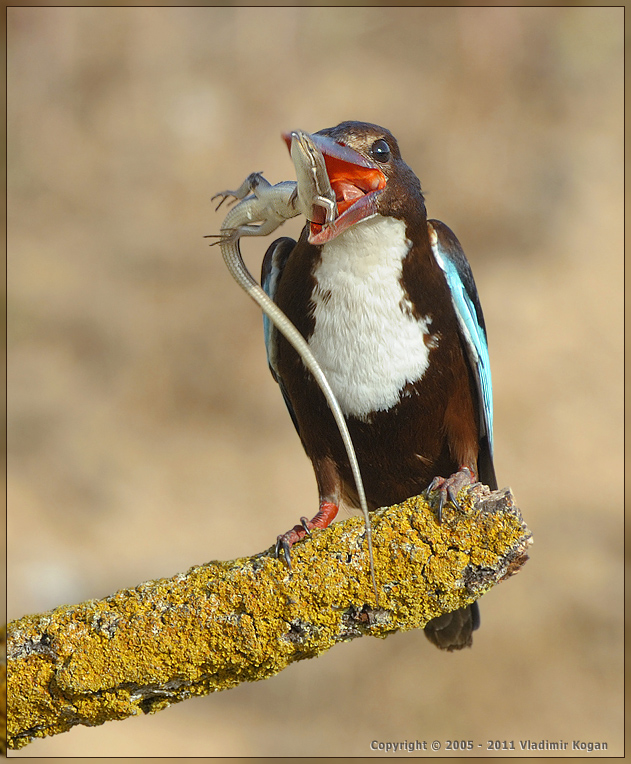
347, 174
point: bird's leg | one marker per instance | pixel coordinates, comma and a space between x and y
450, 487
329, 491
324, 517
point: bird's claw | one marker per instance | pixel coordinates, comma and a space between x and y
285, 541
325, 515
283, 546
449, 488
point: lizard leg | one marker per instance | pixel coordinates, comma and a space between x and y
252, 182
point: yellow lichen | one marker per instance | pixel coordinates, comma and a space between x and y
244, 620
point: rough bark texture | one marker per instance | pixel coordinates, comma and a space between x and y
223, 623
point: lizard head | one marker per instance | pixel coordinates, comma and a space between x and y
340, 176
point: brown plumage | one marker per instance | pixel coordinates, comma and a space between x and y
434, 427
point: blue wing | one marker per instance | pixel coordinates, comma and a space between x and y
271, 273
464, 295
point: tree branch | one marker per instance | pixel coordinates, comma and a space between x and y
229, 622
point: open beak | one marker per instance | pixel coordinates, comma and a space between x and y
338, 186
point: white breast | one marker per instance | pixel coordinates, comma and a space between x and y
365, 337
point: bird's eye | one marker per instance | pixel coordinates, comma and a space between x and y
380, 150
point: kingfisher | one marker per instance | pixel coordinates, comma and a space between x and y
386, 300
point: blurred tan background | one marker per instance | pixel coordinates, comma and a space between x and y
145, 432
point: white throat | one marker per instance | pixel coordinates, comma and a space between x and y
366, 338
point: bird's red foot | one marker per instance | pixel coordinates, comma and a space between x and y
450, 487
326, 515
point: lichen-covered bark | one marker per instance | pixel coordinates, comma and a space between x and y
224, 623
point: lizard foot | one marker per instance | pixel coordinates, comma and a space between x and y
247, 187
